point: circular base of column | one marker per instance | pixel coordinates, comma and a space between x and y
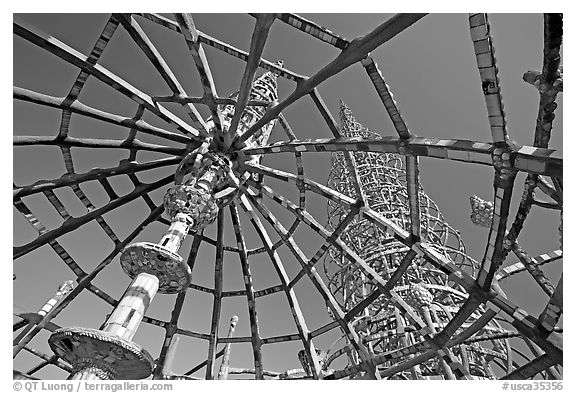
173, 273
76, 345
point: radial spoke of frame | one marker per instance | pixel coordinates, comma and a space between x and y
548, 90
324, 329
521, 214
495, 250
520, 267
473, 328
167, 364
160, 369
311, 185
386, 96
558, 184
326, 245
535, 350
486, 61
30, 322
404, 265
77, 107
222, 46
254, 328
417, 347
348, 157
534, 270
171, 328
552, 42
190, 34
307, 218
470, 305
521, 320
548, 189
142, 40
286, 127
298, 158
56, 246
318, 283
203, 363
194, 248
95, 144
183, 99
75, 222
217, 306
68, 179
553, 311
413, 189
259, 35
69, 164
290, 295
526, 159
66, 153
97, 50
385, 224
314, 30
87, 280
532, 368
74, 57
547, 205
354, 52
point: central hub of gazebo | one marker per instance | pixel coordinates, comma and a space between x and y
203, 183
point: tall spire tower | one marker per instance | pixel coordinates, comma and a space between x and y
424, 300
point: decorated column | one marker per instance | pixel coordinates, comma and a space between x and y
109, 353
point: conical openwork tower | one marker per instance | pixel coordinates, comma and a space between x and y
423, 300
141, 186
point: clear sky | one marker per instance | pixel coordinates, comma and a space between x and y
431, 70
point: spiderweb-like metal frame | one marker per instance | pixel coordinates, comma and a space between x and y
484, 301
